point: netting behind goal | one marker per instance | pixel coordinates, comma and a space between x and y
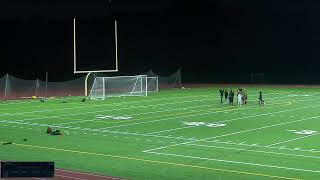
116, 86
167, 82
15, 88
2, 87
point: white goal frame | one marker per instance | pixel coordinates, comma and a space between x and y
145, 91
155, 79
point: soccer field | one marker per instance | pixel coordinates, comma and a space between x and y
172, 134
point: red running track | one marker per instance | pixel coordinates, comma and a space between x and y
61, 174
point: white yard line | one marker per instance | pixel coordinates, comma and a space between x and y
208, 113
137, 114
184, 138
122, 103
264, 127
185, 108
100, 111
234, 119
238, 162
258, 151
290, 140
239, 132
116, 104
265, 147
174, 129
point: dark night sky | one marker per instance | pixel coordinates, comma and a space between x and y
204, 38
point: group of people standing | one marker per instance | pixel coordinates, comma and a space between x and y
242, 97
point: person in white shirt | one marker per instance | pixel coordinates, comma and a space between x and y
239, 99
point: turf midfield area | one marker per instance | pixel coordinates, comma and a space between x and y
176, 134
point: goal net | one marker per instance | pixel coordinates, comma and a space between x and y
152, 83
117, 86
167, 82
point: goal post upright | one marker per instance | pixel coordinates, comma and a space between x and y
86, 84
75, 71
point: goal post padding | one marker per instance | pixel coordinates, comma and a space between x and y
116, 86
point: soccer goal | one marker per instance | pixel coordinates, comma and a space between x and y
152, 83
118, 86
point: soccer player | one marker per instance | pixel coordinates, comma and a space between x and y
239, 99
245, 98
221, 95
226, 94
231, 95
261, 101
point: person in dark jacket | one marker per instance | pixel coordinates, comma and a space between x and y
261, 101
221, 95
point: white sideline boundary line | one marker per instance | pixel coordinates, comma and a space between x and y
237, 162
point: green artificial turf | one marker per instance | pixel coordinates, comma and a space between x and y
153, 137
